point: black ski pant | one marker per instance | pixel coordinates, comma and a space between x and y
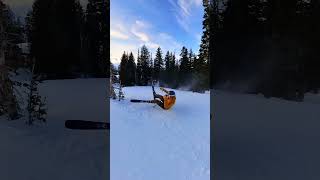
159, 100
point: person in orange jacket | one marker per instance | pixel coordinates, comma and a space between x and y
166, 101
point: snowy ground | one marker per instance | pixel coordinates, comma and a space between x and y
52, 152
150, 143
257, 138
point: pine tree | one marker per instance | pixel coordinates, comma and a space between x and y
158, 65
56, 46
98, 35
145, 66
204, 46
131, 70
123, 69
175, 70
139, 70
113, 80
151, 68
8, 101
166, 76
184, 69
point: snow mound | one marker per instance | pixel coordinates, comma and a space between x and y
150, 143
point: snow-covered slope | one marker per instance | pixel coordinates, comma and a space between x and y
52, 152
257, 138
150, 143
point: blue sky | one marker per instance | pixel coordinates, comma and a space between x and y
169, 24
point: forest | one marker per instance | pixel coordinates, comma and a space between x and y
265, 46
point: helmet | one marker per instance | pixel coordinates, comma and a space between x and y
172, 93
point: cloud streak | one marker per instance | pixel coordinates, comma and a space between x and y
183, 11
138, 28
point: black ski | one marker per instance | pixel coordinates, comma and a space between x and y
141, 101
86, 125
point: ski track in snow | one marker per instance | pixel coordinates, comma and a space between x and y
51, 151
150, 143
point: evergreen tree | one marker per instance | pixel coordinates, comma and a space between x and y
113, 79
191, 59
123, 69
139, 70
151, 68
113, 74
145, 66
204, 46
175, 70
158, 65
271, 45
166, 77
55, 36
185, 70
97, 26
131, 71
8, 100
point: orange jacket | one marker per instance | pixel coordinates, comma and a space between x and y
168, 100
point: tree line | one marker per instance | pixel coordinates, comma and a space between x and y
166, 69
265, 46
68, 41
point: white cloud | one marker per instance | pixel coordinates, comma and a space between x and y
140, 33
142, 24
118, 35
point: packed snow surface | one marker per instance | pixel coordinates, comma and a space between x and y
258, 138
52, 152
148, 142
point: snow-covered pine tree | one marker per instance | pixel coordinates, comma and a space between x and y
112, 81
36, 105
121, 93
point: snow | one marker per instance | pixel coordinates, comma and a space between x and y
51, 151
150, 143
25, 47
259, 138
